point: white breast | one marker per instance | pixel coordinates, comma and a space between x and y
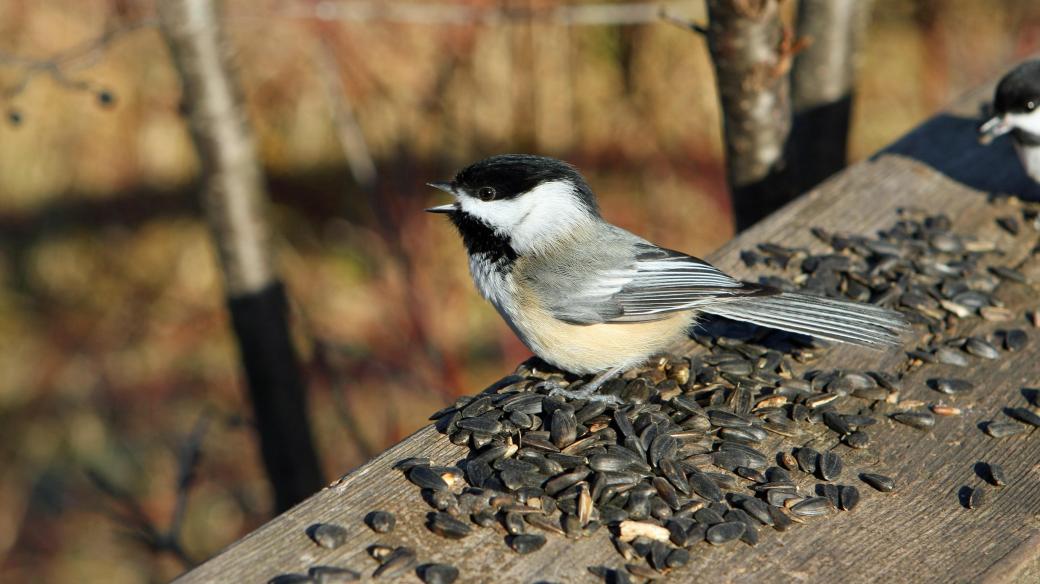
575, 348
496, 286
1030, 157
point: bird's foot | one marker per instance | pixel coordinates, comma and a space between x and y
586, 392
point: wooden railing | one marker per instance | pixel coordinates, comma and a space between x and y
920, 532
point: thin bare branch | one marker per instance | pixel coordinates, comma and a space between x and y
129, 514
455, 14
60, 65
348, 130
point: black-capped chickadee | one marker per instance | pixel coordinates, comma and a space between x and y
1016, 109
590, 297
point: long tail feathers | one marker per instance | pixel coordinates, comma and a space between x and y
825, 318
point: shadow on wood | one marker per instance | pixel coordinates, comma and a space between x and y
949, 144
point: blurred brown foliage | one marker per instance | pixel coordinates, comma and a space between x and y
113, 336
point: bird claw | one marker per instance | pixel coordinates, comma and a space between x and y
586, 393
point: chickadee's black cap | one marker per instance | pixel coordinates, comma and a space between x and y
512, 175
1018, 89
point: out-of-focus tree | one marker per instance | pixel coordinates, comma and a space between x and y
234, 199
822, 86
750, 50
785, 128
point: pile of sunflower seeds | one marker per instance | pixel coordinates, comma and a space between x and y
713, 448
722, 446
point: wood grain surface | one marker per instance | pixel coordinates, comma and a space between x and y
919, 533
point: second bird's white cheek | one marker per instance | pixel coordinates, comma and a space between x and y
1029, 122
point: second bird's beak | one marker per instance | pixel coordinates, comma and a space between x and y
993, 128
448, 188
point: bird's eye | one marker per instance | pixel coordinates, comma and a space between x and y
486, 193
1030, 105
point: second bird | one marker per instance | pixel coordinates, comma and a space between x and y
590, 297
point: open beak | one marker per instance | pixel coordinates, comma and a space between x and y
448, 188
993, 128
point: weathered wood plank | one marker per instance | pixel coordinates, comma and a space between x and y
918, 533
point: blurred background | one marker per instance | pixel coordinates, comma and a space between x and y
116, 360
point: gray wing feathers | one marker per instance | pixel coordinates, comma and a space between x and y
826, 318
627, 279
624, 278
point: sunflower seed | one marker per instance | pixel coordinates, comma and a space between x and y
727, 531
919, 420
830, 491
671, 471
663, 447
1003, 429
480, 424
1015, 340
623, 423
829, 466
1024, 415
757, 509
563, 427
976, 498
1009, 274
564, 481
857, 439
447, 526
708, 516
951, 386
812, 507
381, 521
807, 458
332, 575
527, 403
328, 535
438, 574
426, 478
995, 474
981, 348
399, 561
545, 523
677, 558
951, 357
878, 481
610, 462
724, 419
477, 407
776, 474
848, 497
526, 543
836, 422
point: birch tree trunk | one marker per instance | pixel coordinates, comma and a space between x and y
234, 201
822, 87
746, 41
